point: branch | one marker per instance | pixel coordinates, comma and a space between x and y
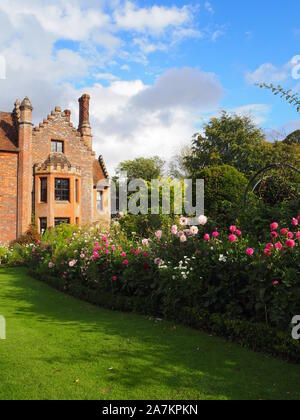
292, 98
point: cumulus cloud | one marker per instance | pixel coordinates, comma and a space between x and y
133, 119
268, 73
58, 50
154, 19
189, 88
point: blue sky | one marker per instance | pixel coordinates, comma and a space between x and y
156, 70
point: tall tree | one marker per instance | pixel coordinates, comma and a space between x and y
229, 140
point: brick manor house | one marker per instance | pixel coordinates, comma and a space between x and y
49, 172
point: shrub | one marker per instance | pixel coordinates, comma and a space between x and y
199, 269
224, 192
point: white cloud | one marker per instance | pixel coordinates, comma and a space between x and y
187, 87
125, 67
61, 19
106, 76
128, 121
149, 47
208, 7
154, 19
129, 118
259, 113
268, 73
217, 34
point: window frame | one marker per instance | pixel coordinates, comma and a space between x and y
56, 143
62, 220
43, 231
101, 201
62, 194
76, 190
43, 190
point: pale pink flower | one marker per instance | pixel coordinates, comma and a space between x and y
278, 245
295, 222
174, 230
158, 234
183, 221
183, 238
50, 265
72, 263
194, 230
145, 242
202, 220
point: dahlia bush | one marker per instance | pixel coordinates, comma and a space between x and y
187, 266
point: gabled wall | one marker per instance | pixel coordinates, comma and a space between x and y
58, 127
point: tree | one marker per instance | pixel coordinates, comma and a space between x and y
293, 138
177, 167
229, 140
142, 168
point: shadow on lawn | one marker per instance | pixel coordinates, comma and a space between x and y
148, 353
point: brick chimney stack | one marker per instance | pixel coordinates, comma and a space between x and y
84, 119
25, 176
68, 114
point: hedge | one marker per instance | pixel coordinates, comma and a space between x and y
255, 336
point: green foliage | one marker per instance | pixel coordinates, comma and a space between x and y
229, 140
293, 138
276, 189
142, 168
30, 237
74, 345
255, 336
224, 192
144, 226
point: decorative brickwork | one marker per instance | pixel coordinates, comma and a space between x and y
31, 159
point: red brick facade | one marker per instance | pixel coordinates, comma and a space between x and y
49, 172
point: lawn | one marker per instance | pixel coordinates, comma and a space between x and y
60, 348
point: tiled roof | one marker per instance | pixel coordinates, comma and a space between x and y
8, 133
99, 170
